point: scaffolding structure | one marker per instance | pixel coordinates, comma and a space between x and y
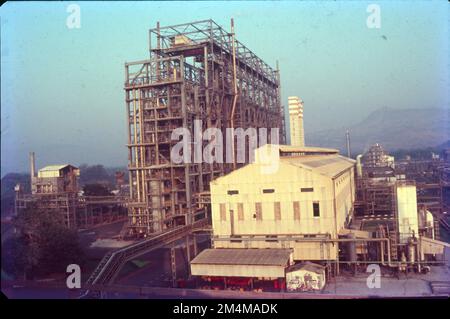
196, 71
55, 188
76, 212
377, 199
430, 180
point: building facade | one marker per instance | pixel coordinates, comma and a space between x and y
303, 205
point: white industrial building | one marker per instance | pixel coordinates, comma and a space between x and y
302, 206
308, 199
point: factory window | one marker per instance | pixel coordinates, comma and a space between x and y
268, 191
296, 210
240, 211
316, 209
307, 190
223, 212
258, 208
233, 192
277, 210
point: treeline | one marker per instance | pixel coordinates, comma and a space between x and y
96, 180
95, 174
417, 154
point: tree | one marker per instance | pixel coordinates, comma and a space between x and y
94, 174
96, 190
43, 244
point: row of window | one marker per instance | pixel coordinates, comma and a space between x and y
258, 215
271, 190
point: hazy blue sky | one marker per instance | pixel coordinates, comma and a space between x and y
62, 89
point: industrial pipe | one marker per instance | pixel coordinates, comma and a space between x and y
323, 240
235, 93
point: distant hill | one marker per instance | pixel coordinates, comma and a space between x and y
393, 128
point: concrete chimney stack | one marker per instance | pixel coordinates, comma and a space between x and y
32, 165
296, 121
347, 138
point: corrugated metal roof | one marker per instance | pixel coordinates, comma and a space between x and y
274, 257
330, 165
309, 266
52, 168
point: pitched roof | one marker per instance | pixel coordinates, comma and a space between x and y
52, 168
325, 161
233, 256
309, 266
329, 165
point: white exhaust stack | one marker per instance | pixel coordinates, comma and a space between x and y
296, 121
347, 138
358, 165
32, 165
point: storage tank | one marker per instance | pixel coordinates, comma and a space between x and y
408, 224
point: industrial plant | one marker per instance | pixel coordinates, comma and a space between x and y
319, 215
196, 71
55, 188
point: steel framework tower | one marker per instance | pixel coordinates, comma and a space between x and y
196, 71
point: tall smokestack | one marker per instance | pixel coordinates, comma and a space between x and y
347, 137
296, 121
32, 165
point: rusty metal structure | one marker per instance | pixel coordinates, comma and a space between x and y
432, 182
196, 71
430, 179
55, 188
376, 201
76, 212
